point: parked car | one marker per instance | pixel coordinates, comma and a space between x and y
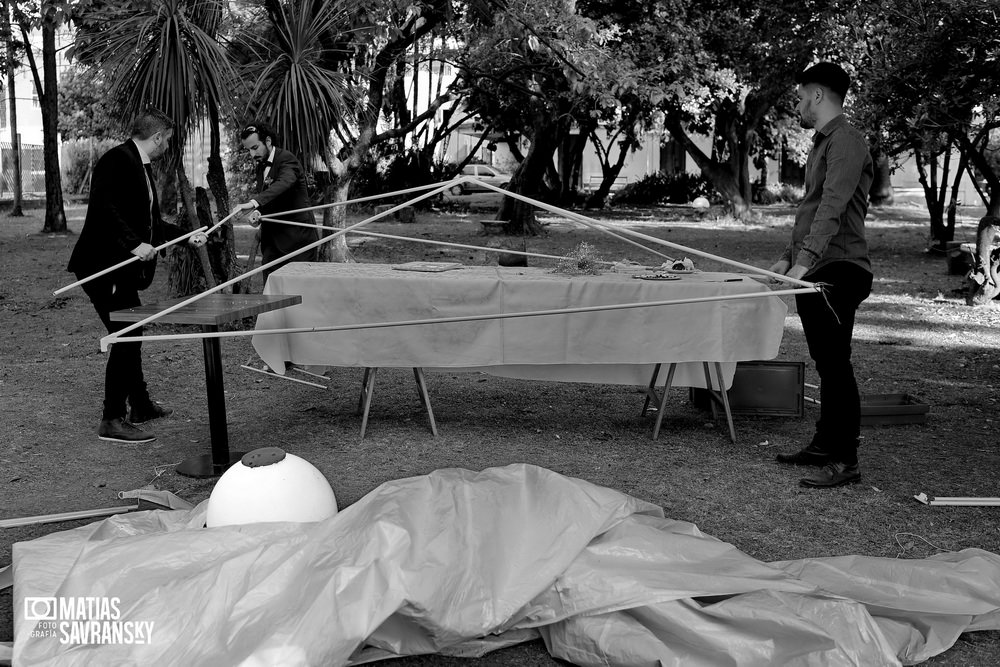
482, 173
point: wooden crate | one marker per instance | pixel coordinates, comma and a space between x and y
763, 388
878, 409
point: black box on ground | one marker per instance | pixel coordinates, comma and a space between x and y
879, 409
762, 388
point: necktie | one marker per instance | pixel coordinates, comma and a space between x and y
151, 185
149, 180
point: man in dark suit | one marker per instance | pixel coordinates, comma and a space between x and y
123, 219
281, 186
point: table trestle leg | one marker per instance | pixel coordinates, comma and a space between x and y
662, 407
367, 389
720, 395
418, 374
651, 394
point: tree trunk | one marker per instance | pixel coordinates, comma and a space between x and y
335, 217
187, 272
15, 143
738, 142
609, 174
743, 205
984, 280
927, 175
527, 179
245, 286
948, 230
987, 170
55, 214
571, 164
880, 193
732, 190
206, 253
520, 215
720, 174
222, 252
739, 150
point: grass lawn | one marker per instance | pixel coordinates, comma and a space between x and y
914, 335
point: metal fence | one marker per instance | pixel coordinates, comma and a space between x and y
32, 170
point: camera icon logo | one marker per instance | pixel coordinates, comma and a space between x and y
40, 608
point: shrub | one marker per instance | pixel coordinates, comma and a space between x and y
777, 193
394, 172
660, 188
240, 170
79, 157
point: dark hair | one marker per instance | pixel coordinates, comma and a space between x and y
149, 122
826, 74
262, 131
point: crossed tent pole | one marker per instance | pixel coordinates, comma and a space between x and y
800, 286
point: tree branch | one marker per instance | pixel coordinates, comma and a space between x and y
677, 132
405, 129
29, 52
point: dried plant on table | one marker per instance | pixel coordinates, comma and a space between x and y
583, 260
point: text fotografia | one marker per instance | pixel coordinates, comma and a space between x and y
84, 620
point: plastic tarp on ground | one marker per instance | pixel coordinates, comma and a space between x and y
460, 562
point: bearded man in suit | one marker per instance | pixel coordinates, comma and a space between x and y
123, 220
281, 186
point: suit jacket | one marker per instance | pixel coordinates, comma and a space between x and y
284, 190
120, 216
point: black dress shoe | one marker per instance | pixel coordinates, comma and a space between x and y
833, 474
810, 455
119, 430
145, 413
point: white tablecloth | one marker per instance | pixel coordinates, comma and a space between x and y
614, 347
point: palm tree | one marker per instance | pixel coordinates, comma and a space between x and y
165, 53
296, 81
318, 69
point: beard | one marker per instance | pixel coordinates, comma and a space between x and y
807, 117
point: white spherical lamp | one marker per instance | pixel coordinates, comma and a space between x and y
700, 203
269, 484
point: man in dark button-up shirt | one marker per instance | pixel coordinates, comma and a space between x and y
828, 246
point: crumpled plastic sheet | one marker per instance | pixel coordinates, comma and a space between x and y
461, 563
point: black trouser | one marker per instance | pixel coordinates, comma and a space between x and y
828, 324
123, 379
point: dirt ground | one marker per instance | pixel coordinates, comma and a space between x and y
914, 335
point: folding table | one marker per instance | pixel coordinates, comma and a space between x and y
210, 313
605, 346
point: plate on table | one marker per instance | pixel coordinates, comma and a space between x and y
659, 275
428, 267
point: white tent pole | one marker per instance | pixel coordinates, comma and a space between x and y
419, 188
427, 241
135, 257
112, 337
467, 318
590, 222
